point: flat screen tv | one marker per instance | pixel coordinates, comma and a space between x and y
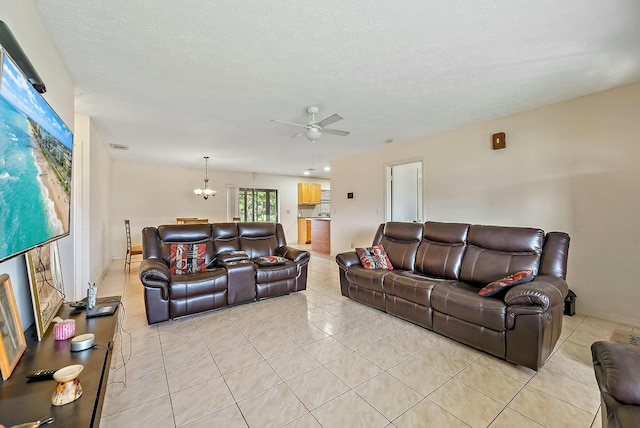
35, 166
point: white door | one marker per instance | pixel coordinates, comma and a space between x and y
404, 192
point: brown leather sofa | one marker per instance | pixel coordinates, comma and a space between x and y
617, 369
438, 269
231, 276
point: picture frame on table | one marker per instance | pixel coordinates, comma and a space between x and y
47, 286
12, 343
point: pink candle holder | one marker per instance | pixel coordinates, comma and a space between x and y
65, 329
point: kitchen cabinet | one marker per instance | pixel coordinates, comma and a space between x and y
304, 231
309, 193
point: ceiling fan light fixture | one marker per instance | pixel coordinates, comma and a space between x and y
315, 129
313, 134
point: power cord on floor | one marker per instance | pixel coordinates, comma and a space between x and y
122, 330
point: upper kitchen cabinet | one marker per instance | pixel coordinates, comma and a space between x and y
309, 193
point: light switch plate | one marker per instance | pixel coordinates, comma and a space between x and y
499, 141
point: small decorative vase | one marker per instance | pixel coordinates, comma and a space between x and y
68, 388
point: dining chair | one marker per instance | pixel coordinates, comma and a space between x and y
132, 250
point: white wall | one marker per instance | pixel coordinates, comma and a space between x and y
25, 24
572, 166
93, 218
100, 178
151, 195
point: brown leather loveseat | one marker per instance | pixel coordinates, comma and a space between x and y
438, 269
232, 273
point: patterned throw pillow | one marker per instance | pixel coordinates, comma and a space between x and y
187, 258
270, 260
502, 284
374, 257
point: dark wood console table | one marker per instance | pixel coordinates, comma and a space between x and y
22, 401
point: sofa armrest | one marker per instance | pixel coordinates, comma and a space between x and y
154, 273
294, 254
348, 259
615, 365
544, 291
231, 256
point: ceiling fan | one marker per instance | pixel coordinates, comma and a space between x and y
314, 130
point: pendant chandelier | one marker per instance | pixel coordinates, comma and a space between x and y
206, 192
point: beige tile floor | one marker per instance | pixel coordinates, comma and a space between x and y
317, 359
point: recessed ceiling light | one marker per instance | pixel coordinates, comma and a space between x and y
306, 172
327, 168
119, 146
388, 140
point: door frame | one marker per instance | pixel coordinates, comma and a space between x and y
387, 185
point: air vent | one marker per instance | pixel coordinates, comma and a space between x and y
119, 147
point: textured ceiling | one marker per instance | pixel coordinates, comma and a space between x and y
178, 80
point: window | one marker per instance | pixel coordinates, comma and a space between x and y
258, 205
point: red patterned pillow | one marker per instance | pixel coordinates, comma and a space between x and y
187, 258
374, 257
502, 284
270, 260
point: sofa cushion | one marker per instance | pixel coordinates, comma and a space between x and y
169, 234
443, 245
225, 237
258, 239
198, 292
411, 286
496, 287
494, 252
374, 257
461, 300
270, 261
198, 284
366, 278
184, 233
266, 274
400, 241
187, 258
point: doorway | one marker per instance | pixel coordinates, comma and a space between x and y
404, 192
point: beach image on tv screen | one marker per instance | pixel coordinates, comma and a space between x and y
35, 166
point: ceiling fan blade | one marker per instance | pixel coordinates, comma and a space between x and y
299, 134
335, 132
289, 123
329, 120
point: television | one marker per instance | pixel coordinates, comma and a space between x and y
35, 166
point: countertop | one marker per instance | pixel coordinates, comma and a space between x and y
315, 218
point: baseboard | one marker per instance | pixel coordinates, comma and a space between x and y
608, 317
